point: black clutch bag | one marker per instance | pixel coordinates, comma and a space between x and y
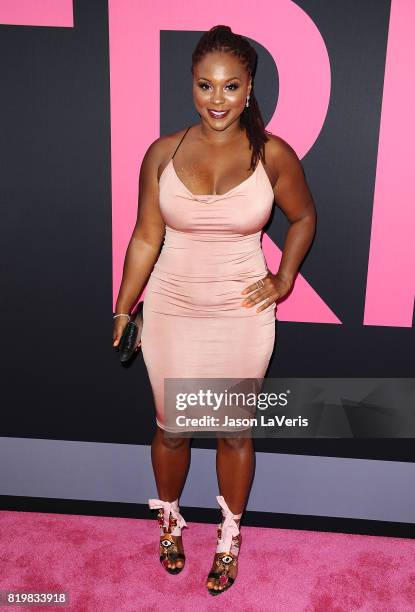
131, 337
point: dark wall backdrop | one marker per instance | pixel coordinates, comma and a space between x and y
61, 378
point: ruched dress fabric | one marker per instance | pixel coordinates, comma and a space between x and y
194, 323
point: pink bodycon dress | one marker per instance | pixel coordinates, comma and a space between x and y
194, 324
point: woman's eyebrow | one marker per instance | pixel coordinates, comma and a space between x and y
230, 79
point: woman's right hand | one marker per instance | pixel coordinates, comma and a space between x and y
120, 324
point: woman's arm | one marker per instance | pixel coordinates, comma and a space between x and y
293, 196
146, 239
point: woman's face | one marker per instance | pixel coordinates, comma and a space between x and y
221, 83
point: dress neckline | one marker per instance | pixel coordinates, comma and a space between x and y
211, 195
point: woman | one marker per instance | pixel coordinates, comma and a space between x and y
210, 205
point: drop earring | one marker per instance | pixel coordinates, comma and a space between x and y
247, 102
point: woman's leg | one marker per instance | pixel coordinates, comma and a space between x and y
235, 462
171, 459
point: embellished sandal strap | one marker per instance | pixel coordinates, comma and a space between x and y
228, 528
177, 556
169, 553
168, 508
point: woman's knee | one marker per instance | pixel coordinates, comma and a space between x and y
171, 442
234, 443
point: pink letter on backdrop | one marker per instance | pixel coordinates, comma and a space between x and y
53, 13
284, 29
390, 287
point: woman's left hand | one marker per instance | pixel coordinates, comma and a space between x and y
274, 287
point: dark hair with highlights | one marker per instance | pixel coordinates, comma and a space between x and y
221, 38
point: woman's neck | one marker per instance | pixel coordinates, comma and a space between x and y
221, 138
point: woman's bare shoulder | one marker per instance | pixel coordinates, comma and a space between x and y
161, 149
167, 141
279, 150
281, 158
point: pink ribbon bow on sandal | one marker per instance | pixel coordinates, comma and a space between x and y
168, 507
229, 529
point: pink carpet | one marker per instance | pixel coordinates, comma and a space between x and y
111, 564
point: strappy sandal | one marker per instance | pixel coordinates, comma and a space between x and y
227, 549
171, 523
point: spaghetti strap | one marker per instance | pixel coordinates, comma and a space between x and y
181, 140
